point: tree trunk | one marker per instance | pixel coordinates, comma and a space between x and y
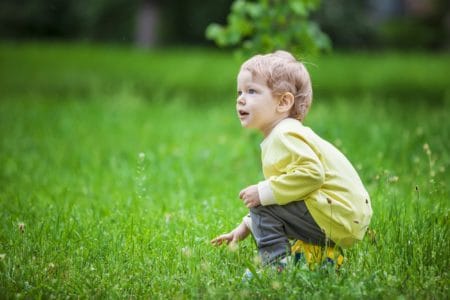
146, 24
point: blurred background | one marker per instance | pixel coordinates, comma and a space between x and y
121, 153
350, 24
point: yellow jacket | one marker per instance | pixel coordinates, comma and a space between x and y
299, 165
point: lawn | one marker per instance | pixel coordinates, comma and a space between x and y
118, 166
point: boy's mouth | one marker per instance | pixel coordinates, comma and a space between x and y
243, 113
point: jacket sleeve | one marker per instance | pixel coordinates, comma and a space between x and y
300, 171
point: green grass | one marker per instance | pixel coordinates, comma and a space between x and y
84, 214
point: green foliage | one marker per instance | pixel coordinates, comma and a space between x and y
110, 192
264, 26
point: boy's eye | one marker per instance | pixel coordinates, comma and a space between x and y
239, 93
251, 91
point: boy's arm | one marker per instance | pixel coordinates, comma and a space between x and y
301, 172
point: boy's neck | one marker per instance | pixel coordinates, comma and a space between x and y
266, 131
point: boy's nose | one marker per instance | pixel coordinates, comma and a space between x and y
240, 99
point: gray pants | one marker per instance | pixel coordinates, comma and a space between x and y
273, 226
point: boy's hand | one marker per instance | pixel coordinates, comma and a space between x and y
224, 238
250, 196
233, 237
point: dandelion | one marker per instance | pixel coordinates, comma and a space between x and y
186, 251
427, 149
206, 266
257, 260
431, 161
141, 178
21, 226
50, 268
276, 285
393, 179
167, 218
141, 156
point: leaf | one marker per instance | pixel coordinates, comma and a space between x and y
264, 26
213, 31
298, 8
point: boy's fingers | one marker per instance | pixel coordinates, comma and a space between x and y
216, 241
219, 240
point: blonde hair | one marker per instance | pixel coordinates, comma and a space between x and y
283, 73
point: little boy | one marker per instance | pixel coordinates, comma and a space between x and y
311, 192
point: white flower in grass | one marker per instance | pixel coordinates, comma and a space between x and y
50, 268
206, 266
393, 179
2, 256
141, 178
257, 260
427, 149
186, 251
21, 227
167, 217
276, 285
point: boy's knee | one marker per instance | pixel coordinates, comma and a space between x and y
261, 209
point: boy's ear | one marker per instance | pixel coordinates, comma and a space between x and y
286, 102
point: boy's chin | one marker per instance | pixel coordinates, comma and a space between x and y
245, 125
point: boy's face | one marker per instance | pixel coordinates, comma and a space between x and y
256, 106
